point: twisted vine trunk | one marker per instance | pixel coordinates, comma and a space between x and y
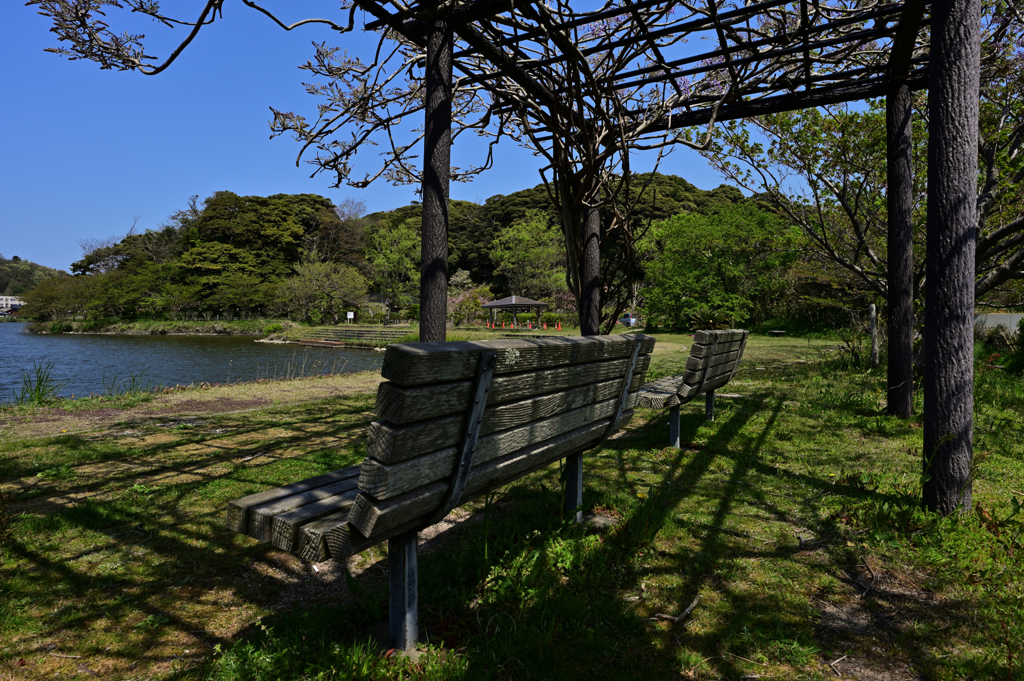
437, 142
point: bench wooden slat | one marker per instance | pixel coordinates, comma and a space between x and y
372, 517
285, 526
238, 509
385, 481
411, 364
389, 443
708, 337
313, 536
661, 393
261, 517
698, 364
690, 391
400, 405
693, 378
702, 351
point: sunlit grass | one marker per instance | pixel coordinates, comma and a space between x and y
791, 524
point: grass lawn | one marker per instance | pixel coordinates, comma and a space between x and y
783, 541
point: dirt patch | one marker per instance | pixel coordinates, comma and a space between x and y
858, 626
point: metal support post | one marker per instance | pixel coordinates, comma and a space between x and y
709, 405
403, 609
574, 487
673, 427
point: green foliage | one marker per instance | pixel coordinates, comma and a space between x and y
393, 257
39, 387
731, 261
709, 320
283, 652
320, 291
268, 230
18, 276
530, 256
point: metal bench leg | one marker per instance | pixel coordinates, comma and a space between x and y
403, 612
673, 427
709, 405
574, 487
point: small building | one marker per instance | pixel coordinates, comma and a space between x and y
515, 303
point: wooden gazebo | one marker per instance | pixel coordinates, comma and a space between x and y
515, 303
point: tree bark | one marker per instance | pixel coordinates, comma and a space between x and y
437, 141
590, 272
900, 265
951, 240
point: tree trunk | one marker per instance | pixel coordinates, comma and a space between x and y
900, 266
436, 170
949, 284
590, 272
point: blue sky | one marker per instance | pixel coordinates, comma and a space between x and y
85, 151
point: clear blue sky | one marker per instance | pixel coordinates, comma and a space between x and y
87, 151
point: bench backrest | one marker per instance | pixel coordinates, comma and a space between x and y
545, 399
549, 397
714, 359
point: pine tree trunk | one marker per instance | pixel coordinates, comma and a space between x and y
949, 286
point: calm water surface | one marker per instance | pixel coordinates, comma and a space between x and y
89, 363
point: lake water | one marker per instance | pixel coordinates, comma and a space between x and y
89, 364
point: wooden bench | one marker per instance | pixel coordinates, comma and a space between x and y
455, 421
713, 361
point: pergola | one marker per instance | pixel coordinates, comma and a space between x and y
808, 53
538, 69
515, 303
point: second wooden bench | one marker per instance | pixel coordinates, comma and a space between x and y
714, 358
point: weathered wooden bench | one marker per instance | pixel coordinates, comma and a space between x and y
456, 420
714, 358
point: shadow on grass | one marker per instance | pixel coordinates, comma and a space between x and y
136, 549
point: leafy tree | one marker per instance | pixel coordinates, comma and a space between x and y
530, 256
337, 234
18, 276
319, 291
392, 258
825, 169
731, 261
243, 292
269, 229
465, 299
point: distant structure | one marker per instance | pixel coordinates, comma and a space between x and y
8, 304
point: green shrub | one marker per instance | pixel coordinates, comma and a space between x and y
709, 320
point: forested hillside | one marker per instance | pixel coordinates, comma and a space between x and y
303, 257
18, 276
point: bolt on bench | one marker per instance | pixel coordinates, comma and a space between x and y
456, 420
714, 358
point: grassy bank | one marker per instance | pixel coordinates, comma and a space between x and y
790, 524
238, 327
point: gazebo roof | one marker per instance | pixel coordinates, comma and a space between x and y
514, 301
